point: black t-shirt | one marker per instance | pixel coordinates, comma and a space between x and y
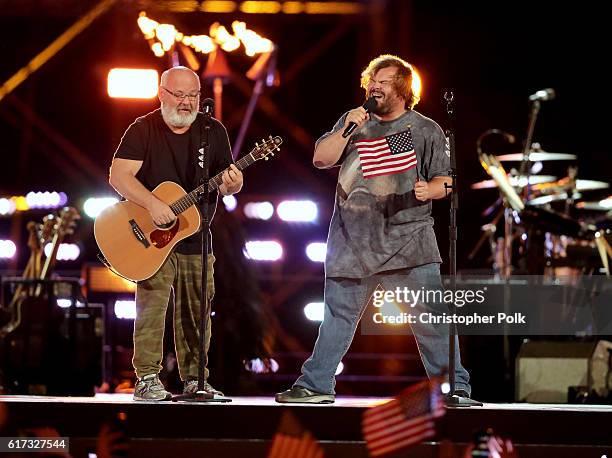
173, 157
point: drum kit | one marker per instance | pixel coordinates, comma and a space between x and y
552, 226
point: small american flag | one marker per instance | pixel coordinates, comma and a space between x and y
293, 440
405, 420
386, 155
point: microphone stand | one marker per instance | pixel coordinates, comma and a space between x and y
201, 395
453, 400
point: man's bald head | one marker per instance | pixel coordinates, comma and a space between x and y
180, 76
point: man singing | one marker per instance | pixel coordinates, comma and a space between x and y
381, 233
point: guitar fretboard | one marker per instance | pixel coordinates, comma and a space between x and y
193, 197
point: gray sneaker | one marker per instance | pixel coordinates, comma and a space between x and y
299, 394
191, 386
150, 388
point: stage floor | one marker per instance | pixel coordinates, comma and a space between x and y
245, 426
268, 401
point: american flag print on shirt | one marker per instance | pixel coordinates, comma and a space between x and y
386, 155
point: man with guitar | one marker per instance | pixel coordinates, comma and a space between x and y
381, 233
164, 146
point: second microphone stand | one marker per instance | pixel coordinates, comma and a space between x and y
453, 400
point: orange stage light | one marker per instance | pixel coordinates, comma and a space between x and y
132, 83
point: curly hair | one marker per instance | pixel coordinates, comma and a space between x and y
403, 83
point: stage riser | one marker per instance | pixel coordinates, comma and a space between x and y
157, 448
238, 425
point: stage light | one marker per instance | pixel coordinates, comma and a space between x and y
125, 309
316, 251
258, 366
7, 206
66, 251
333, 8
227, 41
147, 26
21, 204
201, 43
253, 42
66, 303
46, 199
314, 311
297, 210
259, 210
340, 368
259, 7
230, 203
163, 37
390, 309
7, 249
132, 83
166, 34
445, 388
218, 6
94, 205
157, 49
293, 7
263, 250
417, 84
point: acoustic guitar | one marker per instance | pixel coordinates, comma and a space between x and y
134, 247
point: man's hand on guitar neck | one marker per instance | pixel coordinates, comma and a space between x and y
160, 211
232, 181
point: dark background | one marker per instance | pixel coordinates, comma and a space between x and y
492, 57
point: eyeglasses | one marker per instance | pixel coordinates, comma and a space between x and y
180, 96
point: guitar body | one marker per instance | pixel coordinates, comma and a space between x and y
133, 245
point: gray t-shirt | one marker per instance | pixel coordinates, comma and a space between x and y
378, 225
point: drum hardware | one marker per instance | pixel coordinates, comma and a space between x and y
535, 219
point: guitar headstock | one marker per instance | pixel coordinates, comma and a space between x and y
48, 227
66, 222
267, 148
34, 235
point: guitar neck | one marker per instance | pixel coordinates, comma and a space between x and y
193, 197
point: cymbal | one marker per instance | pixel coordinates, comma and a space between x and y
546, 199
602, 205
565, 184
536, 156
515, 181
590, 185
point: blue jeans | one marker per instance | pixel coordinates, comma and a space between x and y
345, 303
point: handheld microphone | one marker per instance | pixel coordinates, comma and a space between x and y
369, 105
543, 95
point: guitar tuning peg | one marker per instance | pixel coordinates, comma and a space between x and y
277, 148
257, 144
265, 158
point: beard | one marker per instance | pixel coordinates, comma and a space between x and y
176, 119
385, 104
382, 108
